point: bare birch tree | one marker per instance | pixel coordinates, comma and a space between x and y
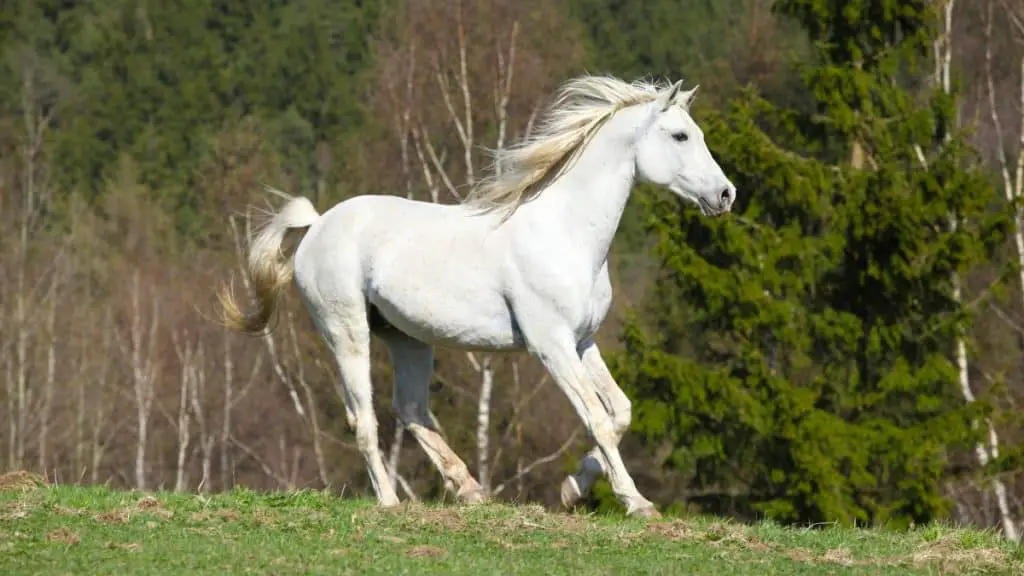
50, 381
140, 349
38, 102
185, 358
197, 400
943, 54
100, 432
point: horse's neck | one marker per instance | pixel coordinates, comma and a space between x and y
588, 201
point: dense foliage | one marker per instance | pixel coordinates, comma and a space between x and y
159, 81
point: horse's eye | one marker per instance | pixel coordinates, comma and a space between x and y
681, 137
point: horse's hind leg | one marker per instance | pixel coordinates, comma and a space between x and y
413, 363
347, 333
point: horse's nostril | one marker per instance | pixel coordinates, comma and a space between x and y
726, 199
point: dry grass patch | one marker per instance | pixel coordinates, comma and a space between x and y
715, 535
126, 546
114, 517
67, 511
945, 553
16, 511
151, 505
802, 555
147, 505
265, 517
536, 518
206, 515
839, 556
673, 530
20, 480
426, 552
449, 519
63, 536
951, 556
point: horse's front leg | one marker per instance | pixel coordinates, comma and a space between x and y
558, 351
617, 405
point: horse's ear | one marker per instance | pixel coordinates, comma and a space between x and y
669, 98
686, 98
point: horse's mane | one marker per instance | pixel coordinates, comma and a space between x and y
582, 105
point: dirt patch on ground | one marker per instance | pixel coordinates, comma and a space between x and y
63, 536
426, 552
20, 480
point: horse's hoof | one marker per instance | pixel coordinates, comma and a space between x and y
647, 511
473, 496
571, 493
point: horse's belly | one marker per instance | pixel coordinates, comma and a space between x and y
477, 321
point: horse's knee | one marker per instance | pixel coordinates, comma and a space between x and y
603, 432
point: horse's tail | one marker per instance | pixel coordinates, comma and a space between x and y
268, 269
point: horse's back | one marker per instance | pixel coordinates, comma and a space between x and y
433, 271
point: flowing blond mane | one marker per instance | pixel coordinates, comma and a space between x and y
582, 105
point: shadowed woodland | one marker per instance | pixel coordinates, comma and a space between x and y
847, 346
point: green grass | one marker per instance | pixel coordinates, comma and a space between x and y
76, 530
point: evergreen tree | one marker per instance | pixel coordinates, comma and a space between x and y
799, 360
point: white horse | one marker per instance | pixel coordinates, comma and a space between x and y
522, 265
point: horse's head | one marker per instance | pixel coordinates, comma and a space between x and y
671, 152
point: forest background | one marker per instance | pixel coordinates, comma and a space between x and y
847, 346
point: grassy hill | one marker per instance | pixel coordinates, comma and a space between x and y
95, 530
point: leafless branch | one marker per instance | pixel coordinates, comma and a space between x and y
539, 462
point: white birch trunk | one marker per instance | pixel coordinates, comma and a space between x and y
944, 54
225, 430
184, 423
197, 394
142, 355
51, 374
